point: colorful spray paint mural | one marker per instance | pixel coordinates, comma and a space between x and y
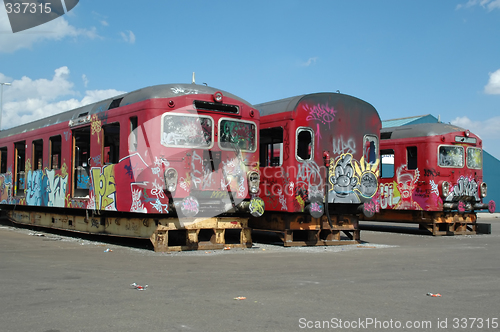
351, 181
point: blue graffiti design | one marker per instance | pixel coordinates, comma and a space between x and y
83, 181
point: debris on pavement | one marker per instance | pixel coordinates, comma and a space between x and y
138, 287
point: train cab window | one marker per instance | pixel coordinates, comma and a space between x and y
387, 169
55, 152
370, 151
451, 156
237, 134
474, 158
271, 147
182, 131
37, 155
81, 159
304, 143
111, 143
132, 143
411, 157
3, 160
19, 165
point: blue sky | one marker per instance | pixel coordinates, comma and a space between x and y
406, 58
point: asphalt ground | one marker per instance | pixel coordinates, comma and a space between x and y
52, 282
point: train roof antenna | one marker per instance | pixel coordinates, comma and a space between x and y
193, 82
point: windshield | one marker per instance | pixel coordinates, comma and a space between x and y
474, 158
187, 131
239, 133
451, 156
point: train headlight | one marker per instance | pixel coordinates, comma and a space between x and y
253, 182
483, 190
445, 189
218, 96
171, 179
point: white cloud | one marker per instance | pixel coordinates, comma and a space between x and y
128, 37
53, 30
28, 100
104, 23
488, 4
486, 129
85, 80
309, 62
493, 86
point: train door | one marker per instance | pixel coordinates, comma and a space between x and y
3, 160
111, 153
55, 152
81, 162
271, 161
271, 147
19, 168
37, 155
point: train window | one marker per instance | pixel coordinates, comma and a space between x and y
474, 158
386, 135
115, 103
81, 158
239, 133
370, 151
37, 155
183, 130
451, 156
411, 157
305, 148
3, 160
111, 143
132, 143
387, 169
19, 165
55, 152
271, 147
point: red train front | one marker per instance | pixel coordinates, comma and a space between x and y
431, 168
319, 166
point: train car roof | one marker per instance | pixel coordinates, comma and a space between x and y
290, 104
151, 92
418, 130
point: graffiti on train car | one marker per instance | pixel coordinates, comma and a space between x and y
103, 181
320, 112
233, 176
407, 183
46, 188
286, 142
129, 185
465, 186
352, 181
309, 178
5, 187
341, 146
389, 195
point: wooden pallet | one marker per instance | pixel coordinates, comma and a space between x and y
436, 223
304, 230
202, 234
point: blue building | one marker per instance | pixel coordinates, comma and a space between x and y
491, 165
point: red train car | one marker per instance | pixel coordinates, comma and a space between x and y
138, 165
432, 174
319, 163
